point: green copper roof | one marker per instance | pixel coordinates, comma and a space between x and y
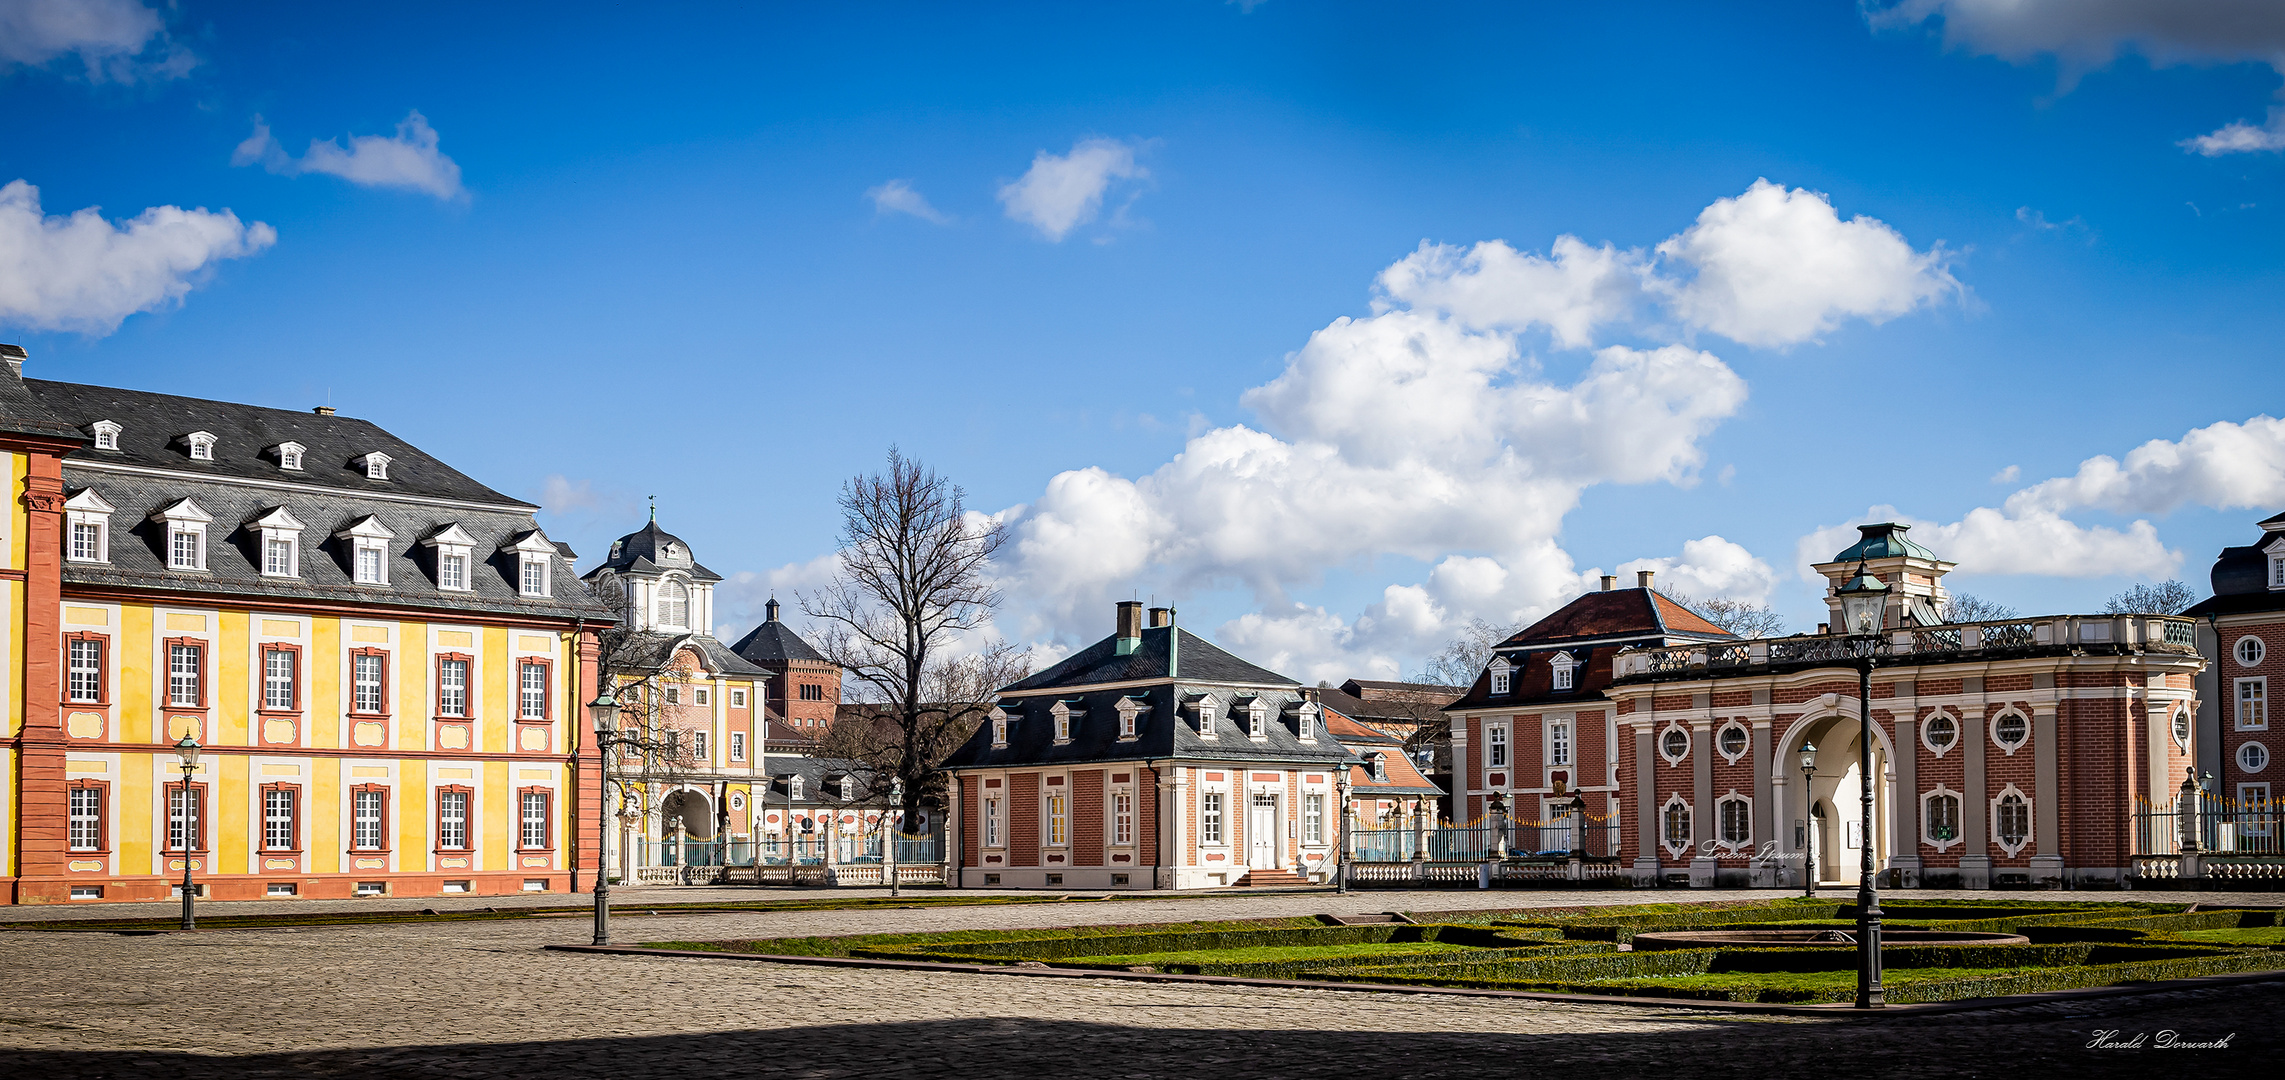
1883, 541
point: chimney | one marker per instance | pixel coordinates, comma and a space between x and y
1130, 626
770, 610
1610, 581
1161, 616
15, 357
1824, 629
323, 410
1642, 578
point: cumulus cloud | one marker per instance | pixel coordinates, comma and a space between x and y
898, 197
1060, 193
2086, 35
86, 273
1992, 541
1572, 291
118, 41
410, 159
1709, 567
1776, 267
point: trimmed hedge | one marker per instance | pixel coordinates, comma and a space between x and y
1078, 947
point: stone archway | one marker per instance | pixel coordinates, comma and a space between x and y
686, 827
1836, 789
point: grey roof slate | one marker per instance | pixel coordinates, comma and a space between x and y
652, 550
1199, 661
152, 425
773, 644
21, 412
1163, 732
232, 553
648, 650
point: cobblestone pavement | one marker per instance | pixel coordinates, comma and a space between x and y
480, 999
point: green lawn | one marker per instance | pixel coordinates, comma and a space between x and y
1277, 954
2243, 935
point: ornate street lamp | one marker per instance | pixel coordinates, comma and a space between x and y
1341, 831
1808, 837
1863, 600
187, 750
605, 709
889, 823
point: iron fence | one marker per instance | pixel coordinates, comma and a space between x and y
2223, 827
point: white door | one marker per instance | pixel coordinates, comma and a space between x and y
1262, 831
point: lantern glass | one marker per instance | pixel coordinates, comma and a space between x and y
606, 711
187, 750
1808, 757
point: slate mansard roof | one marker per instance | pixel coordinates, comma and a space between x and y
421, 498
2241, 577
774, 644
1591, 629
652, 550
1198, 660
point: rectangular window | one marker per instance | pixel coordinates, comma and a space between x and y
452, 820
186, 674
702, 696
367, 809
534, 576
86, 819
452, 687
2252, 704
737, 699
991, 821
186, 818
670, 741
1122, 817
369, 564
812, 692
86, 682
278, 819
1058, 819
278, 678
1559, 742
86, 541
534, 821
278, 557
1313, 819
1737, 822
674, 695
737, 746
1562, 674
698, 745
1497, 751
2253, 810
532, 700
185, 549
366, 675
1210, 817
452, 571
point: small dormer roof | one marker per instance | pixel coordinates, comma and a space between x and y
275, 517
529, 542
368, 527
182, 509
450, 534
89, 500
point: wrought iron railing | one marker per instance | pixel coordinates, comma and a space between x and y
2223, 826
2150, 633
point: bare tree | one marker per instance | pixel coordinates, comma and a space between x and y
912, 584
1736, 616
1465, 656
2164, 598
1968, 607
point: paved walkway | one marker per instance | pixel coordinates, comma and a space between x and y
480, 999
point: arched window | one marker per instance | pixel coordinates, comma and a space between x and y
674, 605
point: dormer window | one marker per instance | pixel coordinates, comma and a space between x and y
455, 557
289, 455
1063, 713
106, 434
793, 788
1562, 667
848, 788
87, 525
1206, 708
2277, 571
186, 526
1130, 712
1257, 721
201, 445
535, 561
375, 464
999, 727
1379, 764
279, 534
368, 542
1307, 721
1503, 676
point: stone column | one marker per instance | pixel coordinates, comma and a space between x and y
1645, 805
2047, 802
1702, 811
1975, 847
1904, 817
1765, 805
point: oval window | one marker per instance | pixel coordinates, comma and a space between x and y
2249, 651
1733, 741
1675, 743
2010, 730
1943, 731
2253, 757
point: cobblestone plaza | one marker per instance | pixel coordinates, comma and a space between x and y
484, 999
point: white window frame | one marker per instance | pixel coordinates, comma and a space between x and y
671, 611
2277, 571
1257, 721
532, 809
995, 806
1060, 713
1057, 806
91, 687
1928, 801
375, 465
1745, 744
85, 810
278, 527
2250, 703
2178, 725
2251, 757
379, 683
1562, 671
1674, 847
1561, 746
1122, 816
445, 687
185, 523
1503, 677
202, 444
280, 689
2249, 650
737, 698
701, 695
1928, 733
1496, 755
1211, 832
531, 700
359, 838
1129, 711
194, 678
1665, 736
2253, 806
87, 509
368, 542
106, 434
737, 746
2010, 747
698, 754
999, 727
290, 455
2030, 821
1313, 818
1722, 821
452, 814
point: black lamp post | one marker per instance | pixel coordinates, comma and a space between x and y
1808, 820
187, 750
891, 820
1864, 600
605, 709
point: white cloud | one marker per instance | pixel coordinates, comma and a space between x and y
86, 273
115, 40
1989, 541
1494, 286
1058, 194
1777, 267
559, 494
2225, 466
410, 159
898, 197
1709, 567
2086, 35
2007, 475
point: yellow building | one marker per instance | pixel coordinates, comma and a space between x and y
382, 659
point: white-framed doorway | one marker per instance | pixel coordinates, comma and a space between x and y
1262, 830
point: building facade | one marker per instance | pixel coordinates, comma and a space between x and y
1150, 759
381, 658
805, 687
2242, 634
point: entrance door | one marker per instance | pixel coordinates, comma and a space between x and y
1262, 832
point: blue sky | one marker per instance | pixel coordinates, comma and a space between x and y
728, 255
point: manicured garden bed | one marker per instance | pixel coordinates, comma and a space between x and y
1585, 951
